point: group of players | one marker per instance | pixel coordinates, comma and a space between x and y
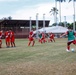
9, 38
41, 37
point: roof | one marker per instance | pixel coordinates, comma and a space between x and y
53, 29
25, 23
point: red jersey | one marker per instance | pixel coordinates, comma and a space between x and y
52, 35
7, 36
12, 36
0, 34
31, 36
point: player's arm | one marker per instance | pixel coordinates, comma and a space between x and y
64, 34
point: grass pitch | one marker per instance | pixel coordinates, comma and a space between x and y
42, 59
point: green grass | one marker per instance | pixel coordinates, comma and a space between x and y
42, 59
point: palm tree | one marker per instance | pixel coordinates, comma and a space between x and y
73, 14
54, 12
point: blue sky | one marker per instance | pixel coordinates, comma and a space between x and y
23, 9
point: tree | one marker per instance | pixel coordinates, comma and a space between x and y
9, 18
54, 12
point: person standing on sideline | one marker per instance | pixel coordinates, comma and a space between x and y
1, 33
31, 38
7, 38
71, 38
12, 38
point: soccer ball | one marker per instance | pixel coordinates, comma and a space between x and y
72, 50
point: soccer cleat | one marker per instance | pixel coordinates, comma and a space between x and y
67, 50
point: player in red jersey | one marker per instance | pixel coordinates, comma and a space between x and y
1, 33
51, 37
31, 38
12, 38
43, 40
7, 39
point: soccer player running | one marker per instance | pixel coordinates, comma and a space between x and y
43, 38
1, 33
31, 38
12, 38
51, 37
71, 38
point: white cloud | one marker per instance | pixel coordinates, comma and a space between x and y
30, 11
26, 12
67, 9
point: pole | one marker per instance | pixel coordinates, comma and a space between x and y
56, 13
64, 21
37, 25
74, 16
30, 24
44, 22
60, 11
73, 22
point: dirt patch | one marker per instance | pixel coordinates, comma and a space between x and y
34, 68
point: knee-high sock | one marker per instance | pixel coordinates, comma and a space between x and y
29, 43
68, 47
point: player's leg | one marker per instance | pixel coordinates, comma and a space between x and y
33, 42
74, 42
53, 39
68, 45
41, 40
14, 44
45, 40
48, 39
6, 42
11, 43
29, 43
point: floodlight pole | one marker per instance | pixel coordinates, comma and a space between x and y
37, 25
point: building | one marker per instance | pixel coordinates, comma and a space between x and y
21, 27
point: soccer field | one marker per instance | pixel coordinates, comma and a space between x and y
42, 59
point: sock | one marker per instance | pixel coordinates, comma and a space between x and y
68, 47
